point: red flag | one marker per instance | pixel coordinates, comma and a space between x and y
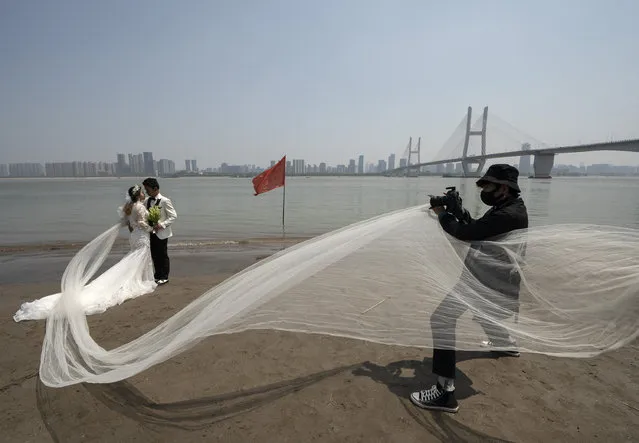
270, 179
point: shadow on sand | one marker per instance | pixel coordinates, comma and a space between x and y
406, 376
66, 412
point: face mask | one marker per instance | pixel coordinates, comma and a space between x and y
489, 198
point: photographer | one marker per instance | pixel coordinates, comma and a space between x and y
493, 270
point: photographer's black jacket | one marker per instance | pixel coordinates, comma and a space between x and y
501, 219
488, 262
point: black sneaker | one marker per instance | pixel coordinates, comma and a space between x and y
436, 399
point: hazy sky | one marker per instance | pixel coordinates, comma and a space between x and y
249, 81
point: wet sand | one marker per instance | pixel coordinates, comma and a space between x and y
270, 386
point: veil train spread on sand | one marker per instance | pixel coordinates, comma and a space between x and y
380, 280
129, 278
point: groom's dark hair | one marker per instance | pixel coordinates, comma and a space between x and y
151, 183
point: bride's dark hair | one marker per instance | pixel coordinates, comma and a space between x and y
134, 193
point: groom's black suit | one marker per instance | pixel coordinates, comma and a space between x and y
159, 249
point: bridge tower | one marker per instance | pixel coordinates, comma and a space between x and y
466, 163
413, 172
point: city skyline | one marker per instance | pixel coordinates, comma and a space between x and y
144, 164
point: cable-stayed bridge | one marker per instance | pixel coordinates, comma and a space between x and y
468, 144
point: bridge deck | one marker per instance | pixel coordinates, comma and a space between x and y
623, 145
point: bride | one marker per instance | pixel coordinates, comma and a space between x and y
129, 278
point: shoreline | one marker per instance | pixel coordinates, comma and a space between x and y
47, 267
122, 244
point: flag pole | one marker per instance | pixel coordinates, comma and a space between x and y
284, 205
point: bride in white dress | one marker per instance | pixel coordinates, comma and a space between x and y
129, 278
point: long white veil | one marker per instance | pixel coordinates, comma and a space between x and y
382, 280
130, 277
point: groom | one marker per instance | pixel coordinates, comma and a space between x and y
162, 231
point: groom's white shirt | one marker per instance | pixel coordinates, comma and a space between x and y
167, 215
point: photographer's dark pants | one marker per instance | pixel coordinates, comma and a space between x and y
160, 256
443, 323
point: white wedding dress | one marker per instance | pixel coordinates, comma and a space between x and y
129, 278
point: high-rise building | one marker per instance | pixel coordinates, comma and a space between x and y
351, 166
403, 162
136, 164
163, 167
166, 167
91, 169
194, 165
122, 166
187, 165
381, 166
298, 167
132, 162
322, 168
103, 168
391, 162
4, 170
360, 165
149, 169
78, 169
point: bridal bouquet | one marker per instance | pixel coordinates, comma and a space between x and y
154, 216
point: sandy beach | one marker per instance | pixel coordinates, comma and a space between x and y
270, 386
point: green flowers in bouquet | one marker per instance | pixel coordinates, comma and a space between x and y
154, 216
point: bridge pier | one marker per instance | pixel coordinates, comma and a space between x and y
543, 165
525, 168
